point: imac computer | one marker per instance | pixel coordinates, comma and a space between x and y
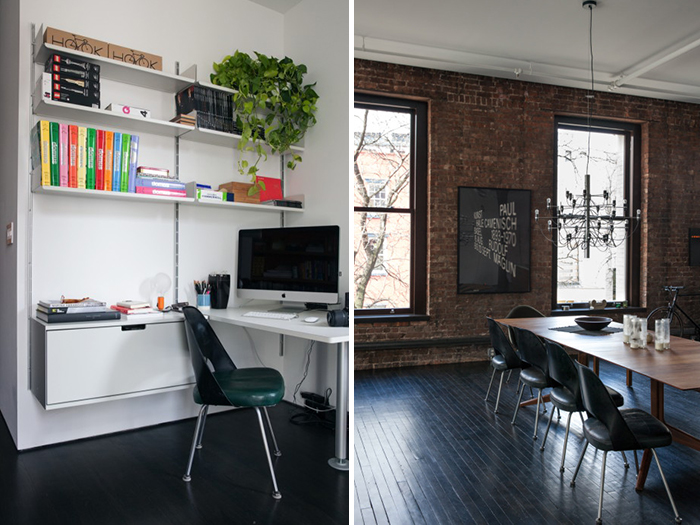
297, 265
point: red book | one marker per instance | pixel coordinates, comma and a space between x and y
72, 156
100, 160
162, 192
273, 189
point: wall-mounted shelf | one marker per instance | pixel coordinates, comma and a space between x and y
244, 206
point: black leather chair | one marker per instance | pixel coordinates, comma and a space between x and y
608, 428
567, 396
220, 383
532, 352
522, 311
505, 358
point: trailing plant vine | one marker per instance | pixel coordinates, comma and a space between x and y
272, 106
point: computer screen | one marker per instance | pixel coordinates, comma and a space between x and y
297, 264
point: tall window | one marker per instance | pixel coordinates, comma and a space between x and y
390, 198
611, 272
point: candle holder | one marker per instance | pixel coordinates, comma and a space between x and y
662, 334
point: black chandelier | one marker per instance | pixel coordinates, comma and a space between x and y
584, 220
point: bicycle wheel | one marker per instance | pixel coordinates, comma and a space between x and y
661, 312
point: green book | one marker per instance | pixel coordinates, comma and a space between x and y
53, 137
90, 160
126, 149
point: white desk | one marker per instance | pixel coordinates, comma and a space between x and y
320, 332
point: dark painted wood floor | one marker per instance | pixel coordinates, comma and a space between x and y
429, 450
135, 477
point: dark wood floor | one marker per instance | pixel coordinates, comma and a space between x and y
429, 450
135, 477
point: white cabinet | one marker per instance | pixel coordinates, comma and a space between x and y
85, 363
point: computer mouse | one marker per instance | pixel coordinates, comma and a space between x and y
311, 319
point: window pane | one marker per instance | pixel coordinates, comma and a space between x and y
382, 260
382, 158
603, 275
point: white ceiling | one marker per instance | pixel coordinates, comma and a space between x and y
281, 6
650, 47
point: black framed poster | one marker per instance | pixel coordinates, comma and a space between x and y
494, 241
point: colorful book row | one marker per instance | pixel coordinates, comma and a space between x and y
80, 157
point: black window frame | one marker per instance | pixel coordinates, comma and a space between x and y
633, 193
418, 208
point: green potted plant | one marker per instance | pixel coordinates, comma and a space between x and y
273, 108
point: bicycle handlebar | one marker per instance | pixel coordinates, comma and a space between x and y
673, 288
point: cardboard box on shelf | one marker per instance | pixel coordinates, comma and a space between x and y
135, 57
240, 192
76, 42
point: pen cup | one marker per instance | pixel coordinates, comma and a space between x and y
220, 288
203, 299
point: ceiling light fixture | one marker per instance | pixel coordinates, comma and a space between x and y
584, 220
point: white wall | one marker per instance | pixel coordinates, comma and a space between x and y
110, 250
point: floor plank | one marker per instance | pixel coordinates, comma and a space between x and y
428, 449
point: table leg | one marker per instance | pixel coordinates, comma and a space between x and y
629, 377
583, 358
657, 410
596, 366
340, 461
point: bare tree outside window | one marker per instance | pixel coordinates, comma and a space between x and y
382, 224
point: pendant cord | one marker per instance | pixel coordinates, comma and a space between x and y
590, 94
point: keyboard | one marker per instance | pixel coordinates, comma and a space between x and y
271, 315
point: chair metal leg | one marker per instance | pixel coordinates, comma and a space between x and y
272, 433
537, 414
493, 374
510, 373
578, 466
276, 493
498, 397
195, 439
201, 428
668, 491
544, 441
599, 521
566, 440
624, 459
517, 405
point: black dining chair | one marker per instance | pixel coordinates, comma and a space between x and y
522, 311
534, 353
609, 428
220, 383
567, 395
505, 358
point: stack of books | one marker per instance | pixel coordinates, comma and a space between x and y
72, 311
75, 156
187, 120
136, 310
208, 108
67, 79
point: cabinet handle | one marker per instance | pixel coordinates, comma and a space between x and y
127, 328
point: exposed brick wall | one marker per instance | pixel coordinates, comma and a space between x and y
500, 133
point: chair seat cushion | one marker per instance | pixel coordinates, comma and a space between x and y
563, 399
249, 387
617, 398
535, 378
499, 362
648, 431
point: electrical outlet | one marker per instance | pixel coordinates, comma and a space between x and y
10, 233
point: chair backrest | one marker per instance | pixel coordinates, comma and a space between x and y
207, 355
502, 345
563, 370
532, 349
599, 404
521, 311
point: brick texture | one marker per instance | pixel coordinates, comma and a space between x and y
500, 133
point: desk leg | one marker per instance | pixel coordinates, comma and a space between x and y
340, 461
657, 410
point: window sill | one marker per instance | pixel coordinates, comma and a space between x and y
396, 318
578, 311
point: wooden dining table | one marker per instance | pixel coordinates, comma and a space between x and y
677, 367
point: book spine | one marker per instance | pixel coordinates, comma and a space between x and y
90, 159
109, 160
82, 155
144, 182
162, 192
73, 156
63, 155
126, 145
54, 137
78, 317
100, 160
133, 161
117, 166
59, 310
45, 148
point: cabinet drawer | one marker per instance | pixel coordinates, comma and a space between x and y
97, 364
